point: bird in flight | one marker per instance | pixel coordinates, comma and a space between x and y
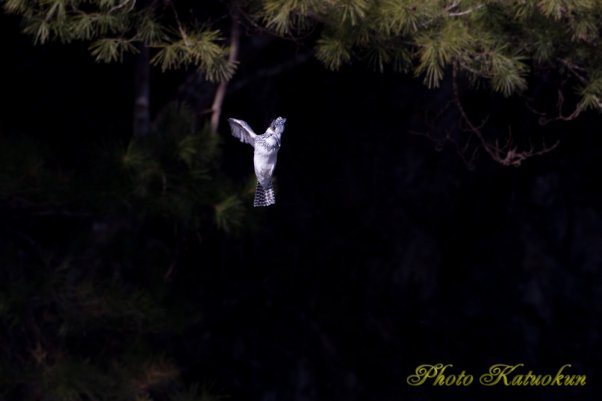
264, 159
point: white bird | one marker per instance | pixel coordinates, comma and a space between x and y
266, 152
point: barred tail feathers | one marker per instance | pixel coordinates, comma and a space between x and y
264, 195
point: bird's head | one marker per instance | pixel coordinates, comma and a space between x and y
278, 125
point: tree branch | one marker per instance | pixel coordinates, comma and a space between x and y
507, 154
123, 4
465, 12
578, 73
220, 93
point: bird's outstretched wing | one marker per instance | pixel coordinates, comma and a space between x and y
242, 131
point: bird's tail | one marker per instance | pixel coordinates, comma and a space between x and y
264, 195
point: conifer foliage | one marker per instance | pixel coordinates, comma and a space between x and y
498, 42
491, 41
87, 290
115, 27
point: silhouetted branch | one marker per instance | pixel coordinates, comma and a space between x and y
506, 154
220, 93
578, 73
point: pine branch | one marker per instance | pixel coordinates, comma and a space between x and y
333, 52
109, 50
352, 11
507, 154
465, 12
507, 73
220, 93
131, 3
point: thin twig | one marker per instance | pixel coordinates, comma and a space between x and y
506, 155
577, 72
453, 5
465, 12
123, 4
180, 27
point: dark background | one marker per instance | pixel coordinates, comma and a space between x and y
385, 250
